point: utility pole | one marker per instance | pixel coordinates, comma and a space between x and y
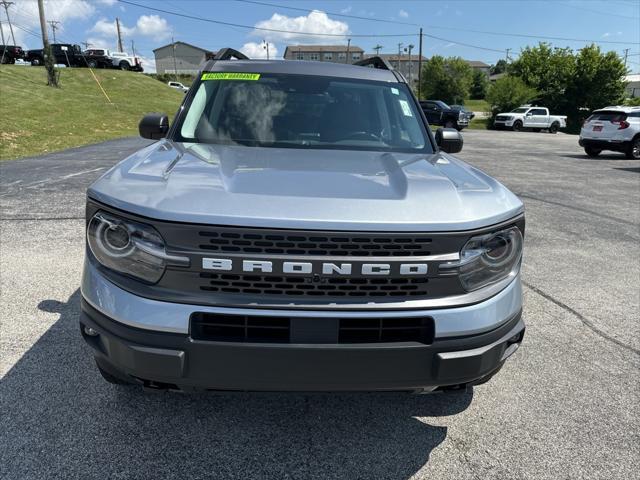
120, 49
399, 54
377, 48
175, 65
420, 66
6, 4
507, 56
133, 48
86, 45
409, 48
265, 45
54, 26
48, 58
348, 48
626, 54
3, 50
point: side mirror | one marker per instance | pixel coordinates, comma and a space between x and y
154, 126
449, 140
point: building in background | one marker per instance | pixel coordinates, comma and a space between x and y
179, 57
324, 53
405, 64
633, 85
478, 65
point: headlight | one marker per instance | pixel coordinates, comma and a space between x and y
487, 259
129, 247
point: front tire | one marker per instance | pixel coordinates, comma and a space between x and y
450, 124
554, 128
35, 62
633, 152
592, 152
92, 64
124, 66
517, 126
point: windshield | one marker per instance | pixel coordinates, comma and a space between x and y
520, 110
300, 111
443, 105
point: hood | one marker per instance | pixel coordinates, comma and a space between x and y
313, 189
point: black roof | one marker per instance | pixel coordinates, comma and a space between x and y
300, 67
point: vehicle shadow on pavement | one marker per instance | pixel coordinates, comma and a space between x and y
60, 419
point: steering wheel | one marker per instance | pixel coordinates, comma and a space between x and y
361, 135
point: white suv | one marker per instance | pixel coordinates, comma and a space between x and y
612, 128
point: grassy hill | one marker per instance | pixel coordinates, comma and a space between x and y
35, 118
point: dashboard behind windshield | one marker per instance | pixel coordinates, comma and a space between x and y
300, 111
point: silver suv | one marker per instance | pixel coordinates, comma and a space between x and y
612, 128
299, 228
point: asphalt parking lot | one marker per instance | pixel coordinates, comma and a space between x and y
565, 406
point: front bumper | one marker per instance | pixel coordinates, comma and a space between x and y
180, 362
151, 341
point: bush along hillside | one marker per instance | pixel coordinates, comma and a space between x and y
36, 119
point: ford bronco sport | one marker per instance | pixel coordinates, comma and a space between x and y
299, 228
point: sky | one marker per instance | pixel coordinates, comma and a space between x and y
472, 29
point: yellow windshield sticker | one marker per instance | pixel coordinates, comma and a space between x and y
230, 76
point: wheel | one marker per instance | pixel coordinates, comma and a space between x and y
517, 126
111, 374
592, 152
35, 62
92, 64
124, 65
449, 124
554, 127
633, 152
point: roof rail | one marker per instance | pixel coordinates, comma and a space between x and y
375, 62
226, 54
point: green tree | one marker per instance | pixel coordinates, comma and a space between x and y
446, 79
571, 84
480, 85
508, 93
548, 70
499, 67
598, 81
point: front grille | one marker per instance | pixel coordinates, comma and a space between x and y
298, 286
502, 118
226, 240
301, 330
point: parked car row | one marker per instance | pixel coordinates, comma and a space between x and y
71, 55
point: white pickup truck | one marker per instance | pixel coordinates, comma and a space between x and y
124, 61
535, 118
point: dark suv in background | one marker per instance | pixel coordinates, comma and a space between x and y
10, 53
439, 113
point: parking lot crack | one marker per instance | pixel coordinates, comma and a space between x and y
585, 321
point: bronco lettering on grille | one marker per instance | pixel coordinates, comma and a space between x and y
306, 268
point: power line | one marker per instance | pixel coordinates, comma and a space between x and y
344, 15
273, 30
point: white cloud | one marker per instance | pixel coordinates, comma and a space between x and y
153, 26
25, 13
403, 14
108, 28
108, 3
315, 22
257, 50
346, 10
